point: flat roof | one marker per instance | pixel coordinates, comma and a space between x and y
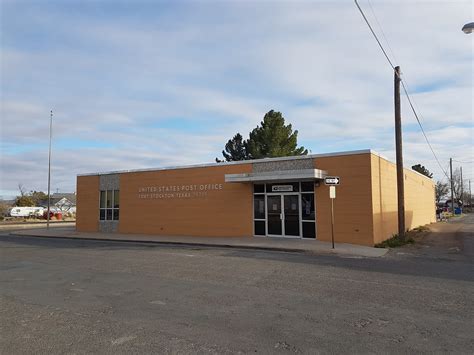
309, 156
203, 165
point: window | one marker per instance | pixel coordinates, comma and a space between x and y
307, 186
308, 213
259, 206
109, 205
307, 207
259, 214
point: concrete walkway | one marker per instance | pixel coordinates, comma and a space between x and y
259, 243
35, 225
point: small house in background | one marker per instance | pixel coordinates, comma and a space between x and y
63, 202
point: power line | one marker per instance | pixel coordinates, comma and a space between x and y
381, 30
446, 176
402, 81
375, 36
464, 162
422, 130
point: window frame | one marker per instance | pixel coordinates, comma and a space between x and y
104, 211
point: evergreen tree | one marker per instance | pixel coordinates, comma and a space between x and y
273, 138
422, 170
24, 201
235, 149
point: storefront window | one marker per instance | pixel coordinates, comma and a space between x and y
109, 205
307, 206
284, 208
259, 207
309, 230
259, 227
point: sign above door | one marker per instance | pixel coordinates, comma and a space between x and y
282, 188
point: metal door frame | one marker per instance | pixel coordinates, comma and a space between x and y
282, 218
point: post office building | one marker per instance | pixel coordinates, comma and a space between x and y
275, 197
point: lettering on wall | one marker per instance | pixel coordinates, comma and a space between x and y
177, 191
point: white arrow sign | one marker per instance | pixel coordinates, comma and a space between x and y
332, 180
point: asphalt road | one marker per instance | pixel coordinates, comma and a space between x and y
64, 296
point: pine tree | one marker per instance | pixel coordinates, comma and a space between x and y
235, 149
273, 138
422, 170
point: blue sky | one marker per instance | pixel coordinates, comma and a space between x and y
140, 84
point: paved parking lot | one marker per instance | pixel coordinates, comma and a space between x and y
88, 296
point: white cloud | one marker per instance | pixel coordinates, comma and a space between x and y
115, 83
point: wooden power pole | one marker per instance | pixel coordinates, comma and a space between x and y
470, 196
398, 148
452, 184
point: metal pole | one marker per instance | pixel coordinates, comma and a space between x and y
332, 222
49, 168
452, 184
398, 148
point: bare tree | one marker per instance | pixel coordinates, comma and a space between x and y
22, 189
459, 194
442, 190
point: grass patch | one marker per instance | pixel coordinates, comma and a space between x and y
411, 237
395, 242
420, 229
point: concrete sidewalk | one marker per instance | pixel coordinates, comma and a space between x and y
35, 225
258, 243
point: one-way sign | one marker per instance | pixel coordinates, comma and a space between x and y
332, 180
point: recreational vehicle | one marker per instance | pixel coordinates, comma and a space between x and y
27, 211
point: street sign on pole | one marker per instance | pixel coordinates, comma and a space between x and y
332, 196
332, 180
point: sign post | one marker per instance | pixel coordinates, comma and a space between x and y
332, 181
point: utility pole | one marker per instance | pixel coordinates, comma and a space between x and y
398, 147
462, 190
452, 184
470, 196
49, 168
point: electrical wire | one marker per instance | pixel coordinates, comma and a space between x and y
402, 81
383, 33
464, 162
375, 36
422, 130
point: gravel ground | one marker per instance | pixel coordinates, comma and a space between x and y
64, 296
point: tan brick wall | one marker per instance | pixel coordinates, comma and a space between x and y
87, 204
365, 206
352, 207
419, 199
222, 213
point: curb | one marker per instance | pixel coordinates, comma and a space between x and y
36, 223
190, 244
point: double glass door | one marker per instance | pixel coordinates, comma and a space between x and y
283, 215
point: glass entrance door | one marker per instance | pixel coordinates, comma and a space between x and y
283, 215
274, 215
